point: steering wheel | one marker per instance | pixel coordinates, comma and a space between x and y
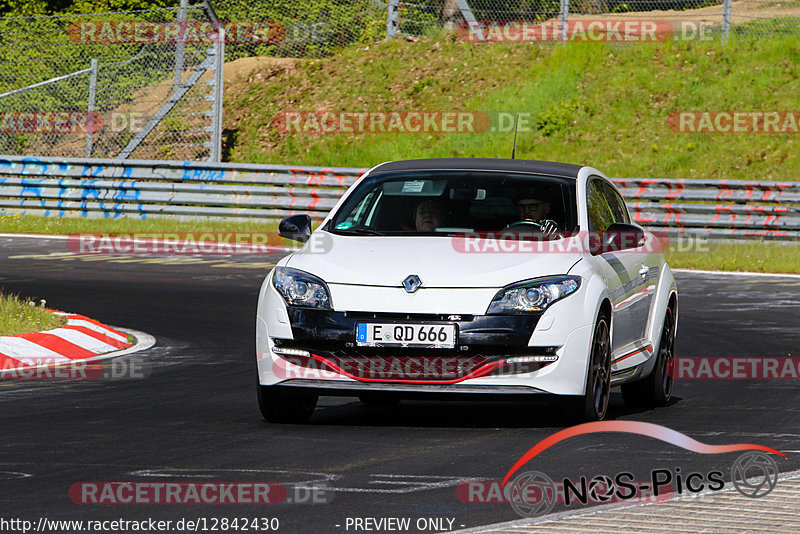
545, 226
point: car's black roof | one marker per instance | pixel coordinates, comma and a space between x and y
550, 168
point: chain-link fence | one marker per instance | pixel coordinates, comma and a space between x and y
323, 27
306, 29
137, 84
147, 84
595, 20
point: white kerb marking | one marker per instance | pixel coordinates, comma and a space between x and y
28, 352
82, 340
96, 328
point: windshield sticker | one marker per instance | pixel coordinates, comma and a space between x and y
414, 186
344, 225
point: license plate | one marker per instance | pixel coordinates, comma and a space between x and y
406, 335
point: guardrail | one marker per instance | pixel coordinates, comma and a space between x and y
725, 209
142, 189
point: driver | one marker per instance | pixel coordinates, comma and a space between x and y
533, 207
428, 216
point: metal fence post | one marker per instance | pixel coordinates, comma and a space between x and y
563, 19
58, 66
392, 18
469, 17
179, 46
726, 19
90, 110
215, 152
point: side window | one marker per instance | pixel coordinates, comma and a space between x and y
616, 204
600, 213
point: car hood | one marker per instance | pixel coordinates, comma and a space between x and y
438, 261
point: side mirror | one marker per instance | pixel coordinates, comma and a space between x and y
296, 228
621, 236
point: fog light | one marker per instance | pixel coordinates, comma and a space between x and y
532, 359
291, 352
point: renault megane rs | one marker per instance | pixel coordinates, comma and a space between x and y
479, 277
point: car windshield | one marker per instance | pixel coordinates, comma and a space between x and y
439, 203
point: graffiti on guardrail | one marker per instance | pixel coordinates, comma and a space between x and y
95, 188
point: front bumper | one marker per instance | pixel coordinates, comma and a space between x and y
416, 391
322, 352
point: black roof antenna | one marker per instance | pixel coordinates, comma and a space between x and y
514, 148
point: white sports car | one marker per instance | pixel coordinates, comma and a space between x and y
478, 277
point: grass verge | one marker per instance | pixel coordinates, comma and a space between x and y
753, 257
32, 224
20, 316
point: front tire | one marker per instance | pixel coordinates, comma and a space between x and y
593, 404
280, 405
656, 389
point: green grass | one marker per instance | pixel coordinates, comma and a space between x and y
780, 3
753, 257
31, 224
20, 316
595, 103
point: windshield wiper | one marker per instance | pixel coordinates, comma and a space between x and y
360, 231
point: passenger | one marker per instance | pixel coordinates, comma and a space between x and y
429, 216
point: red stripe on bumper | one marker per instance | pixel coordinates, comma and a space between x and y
648, 348
480, 371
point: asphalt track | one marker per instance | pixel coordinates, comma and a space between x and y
195, 418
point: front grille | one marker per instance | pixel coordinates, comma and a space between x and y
384, 316
344, 348
484, 342
320, 326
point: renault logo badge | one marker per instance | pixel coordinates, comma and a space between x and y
412, 283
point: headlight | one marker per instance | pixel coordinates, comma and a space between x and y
300, 288
533, 295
